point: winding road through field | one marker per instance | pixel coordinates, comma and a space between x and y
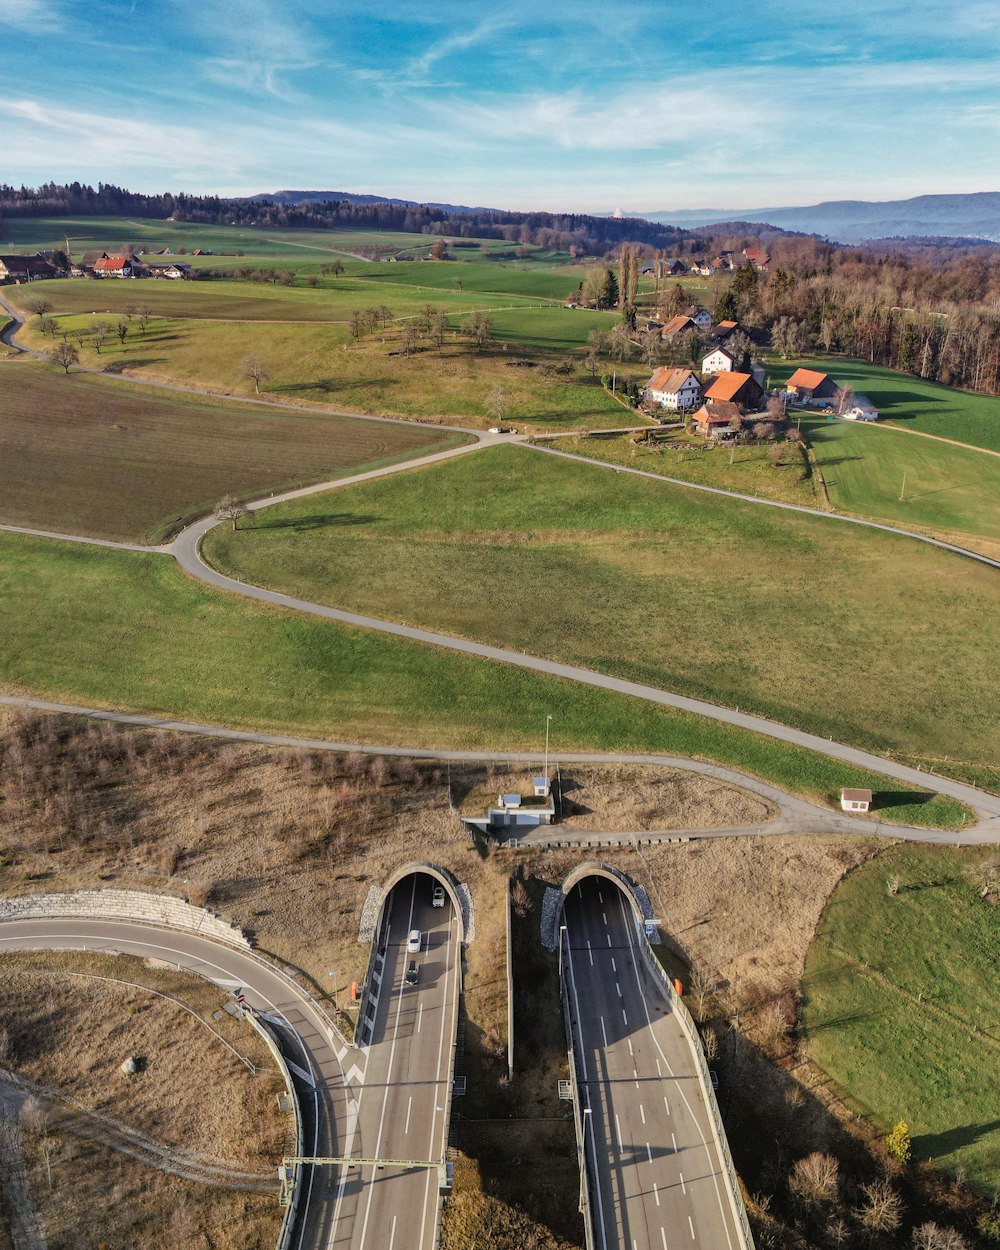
186, 550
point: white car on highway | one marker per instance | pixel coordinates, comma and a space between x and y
413, 942
437, 896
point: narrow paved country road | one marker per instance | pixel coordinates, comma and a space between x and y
796, 815
307, 1037
658, 1176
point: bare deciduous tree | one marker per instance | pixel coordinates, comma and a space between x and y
99, 329
256, 370
230, 509
498, 402
931, 1236
881, 1209
65, 354
815, 1180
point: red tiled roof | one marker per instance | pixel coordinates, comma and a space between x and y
676, 324
809, 378
726, 385
110, 264
718, 414
669, 380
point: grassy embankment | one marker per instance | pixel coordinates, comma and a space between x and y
902, 1005
87, 455
909, 402
128, 630
873, 639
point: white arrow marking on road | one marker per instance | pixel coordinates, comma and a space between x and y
354, 1073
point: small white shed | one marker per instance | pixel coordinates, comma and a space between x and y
855, 800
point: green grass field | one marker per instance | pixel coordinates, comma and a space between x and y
910, 402
952, 492
86, 455
688, 459
873, 639
124, 630
902, 1003
318, 364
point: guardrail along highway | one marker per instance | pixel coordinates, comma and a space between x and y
656, 1167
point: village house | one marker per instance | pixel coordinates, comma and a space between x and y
811, 387
718, 361
25, 269
757, 257
701, 317
737, 388
675, 389
680, 324
720, 421
724, 329
118, 266
172, 271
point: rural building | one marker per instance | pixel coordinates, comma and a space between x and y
718, 361
757, 257
116, 267
723, 330
736, 388
720, 421
25, 268
721, 264
680, 324
672, 268
759, 374
861, 409
810, 386
701, 317
855, 800
676, 389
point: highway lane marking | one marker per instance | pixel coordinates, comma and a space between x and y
392, 1234
388, 1080
630, 1050
656, 1193
673, 1138
691, 1226
605, 915
663, 1237
614, 966
604, 1031
593, 1136
619, 989
649, 1152
625, 1017
666, 1104
409, 1108
618, 1134
683, 1186
659, 1070
715, 1157
642, 1113
600, 895
420, 1016
590, 952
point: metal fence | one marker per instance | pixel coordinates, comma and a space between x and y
694, 1040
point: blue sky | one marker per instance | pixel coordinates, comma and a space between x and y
638, 104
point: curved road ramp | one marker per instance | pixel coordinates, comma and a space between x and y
373, 1122
657, 1174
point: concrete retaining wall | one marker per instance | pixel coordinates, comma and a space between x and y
133, 905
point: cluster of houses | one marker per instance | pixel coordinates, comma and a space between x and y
724, 262
719, 399
18, 269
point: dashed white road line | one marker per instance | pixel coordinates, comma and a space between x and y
409, 1108
691, 1226
663, 1238
649, 1152
618, 1134
420, 1016
604, 1033
642, 1113
666, 1104
656, 1193
683, 1186
673, 1138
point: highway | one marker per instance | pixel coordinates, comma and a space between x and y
402, 1108
383, 1101
649, 1139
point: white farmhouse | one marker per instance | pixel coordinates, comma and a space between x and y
677, 390
718, 361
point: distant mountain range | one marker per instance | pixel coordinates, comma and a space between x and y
335, 197
975, 216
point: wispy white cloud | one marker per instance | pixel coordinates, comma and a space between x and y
259, 47
40, 16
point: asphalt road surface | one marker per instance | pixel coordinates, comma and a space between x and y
386, 1101
403, 1105
649, 1141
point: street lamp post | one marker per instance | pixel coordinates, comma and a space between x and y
546, 769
